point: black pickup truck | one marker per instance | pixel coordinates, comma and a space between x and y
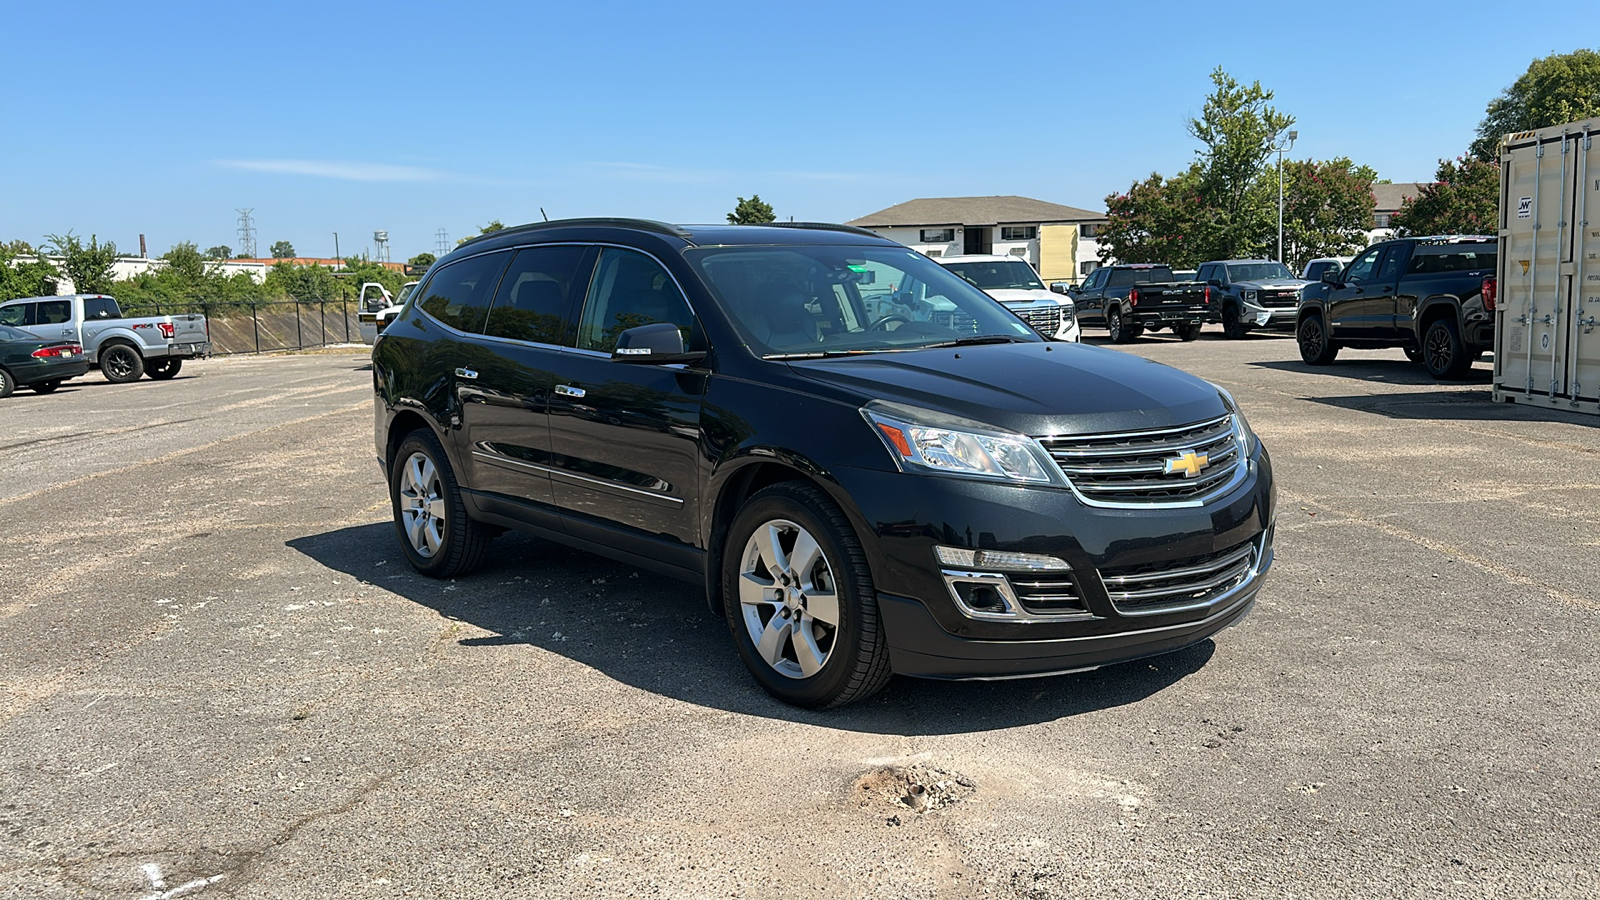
1431, 296
1132, 299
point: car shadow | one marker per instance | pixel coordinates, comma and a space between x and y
1459, 406
1390, 371
657, 635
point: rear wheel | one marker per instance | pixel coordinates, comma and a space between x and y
1188, 332
45, 387
162, 369
1315, 348
1442, 352
799, 599
8, 385
121, 364
430, 517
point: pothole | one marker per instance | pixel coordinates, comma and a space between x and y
914, 789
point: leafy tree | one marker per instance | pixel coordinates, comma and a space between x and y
186, 265
1236, 129
1156, 221
1465, 199
1557, 89
303, 283
1327, 208
221, 251
18, 247
24, 279
751, 212
423, 259
88, 265
493, 226
282, 250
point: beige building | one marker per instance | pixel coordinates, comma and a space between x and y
1061, 242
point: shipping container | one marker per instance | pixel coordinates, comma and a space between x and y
1547, 345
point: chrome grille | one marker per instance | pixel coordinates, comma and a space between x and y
1131, 468
1047, 593
1279, 299
1045, 321
1160, 587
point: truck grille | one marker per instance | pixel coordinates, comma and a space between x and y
1159, 587
1136, 468
1045, 321
1281, 299
1048, 593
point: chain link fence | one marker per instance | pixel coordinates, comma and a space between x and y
261, 326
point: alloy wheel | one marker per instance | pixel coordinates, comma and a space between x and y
422, 505
788, 599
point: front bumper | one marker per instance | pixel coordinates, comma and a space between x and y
905, 517
1276, 317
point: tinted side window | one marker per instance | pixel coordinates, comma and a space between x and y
15, 315
536, 295
101, 308
458, 294
629, 289
1362, 268
53, 312
1390, 269
1429, 259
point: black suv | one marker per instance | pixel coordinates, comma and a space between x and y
1432, 296
928, 489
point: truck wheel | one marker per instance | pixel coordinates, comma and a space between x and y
163, 369
430, 518
8, 385
1315, 348
121, 364
45, 387
1120, 330
800, 601
1188, 332
1442, 353
1232, 328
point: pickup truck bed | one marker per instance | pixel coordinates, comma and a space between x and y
1130, 299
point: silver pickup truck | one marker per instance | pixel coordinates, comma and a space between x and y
123, 348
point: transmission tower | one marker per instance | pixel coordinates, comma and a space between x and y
247, 234
441, 242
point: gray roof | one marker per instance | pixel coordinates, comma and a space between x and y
1390, 197
975, 211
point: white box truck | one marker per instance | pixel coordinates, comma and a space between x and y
1547, 343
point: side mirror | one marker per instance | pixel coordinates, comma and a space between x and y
658, 343
1058, 287
1331, 276
1215, 282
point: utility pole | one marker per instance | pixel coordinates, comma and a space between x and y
1280, 147
338, 260
247, 233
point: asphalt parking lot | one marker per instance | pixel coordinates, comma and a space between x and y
218, 678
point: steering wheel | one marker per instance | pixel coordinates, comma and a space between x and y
883, 323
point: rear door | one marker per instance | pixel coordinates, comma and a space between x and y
626, 438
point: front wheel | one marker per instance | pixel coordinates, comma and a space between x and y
45, 387
121, 364
163, 369
1121, 331
430, 517
1232, 328
1315, 348
1188, 332
800, 601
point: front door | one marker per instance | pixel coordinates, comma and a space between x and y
1347, 303
625, 438
977, 240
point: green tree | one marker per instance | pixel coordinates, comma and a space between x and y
88, 265
1465, 199
221, 251
186, 265
1327, 208
1557, 89
493, 226
303, 283
282, 250
25, 279
751, 212
423, 259
1237, 128
1156, 221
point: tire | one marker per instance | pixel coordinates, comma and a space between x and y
8, 385
838, 662
1232, 328
1121, 332
430, 517
163, 369
45, 387
121, 364
1189, 332
1442, 352
1315, 348
1413, 353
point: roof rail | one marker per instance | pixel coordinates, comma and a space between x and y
612, 221
826, 226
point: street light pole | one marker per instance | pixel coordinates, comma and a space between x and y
1280, 148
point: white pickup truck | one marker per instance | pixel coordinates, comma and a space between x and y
124, 349
377, 309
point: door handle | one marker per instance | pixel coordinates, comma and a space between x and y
567, 390
66, 332
466, 373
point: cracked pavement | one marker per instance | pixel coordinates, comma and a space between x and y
217, 671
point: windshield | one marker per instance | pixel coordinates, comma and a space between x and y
791, 302
1009, 275
1268, 271
405, 291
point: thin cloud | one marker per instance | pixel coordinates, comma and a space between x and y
344, 171
630, 171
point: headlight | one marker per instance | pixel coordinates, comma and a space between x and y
1249, 296
1068, 311
955, 447
1242, 435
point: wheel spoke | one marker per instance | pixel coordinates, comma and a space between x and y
433, 534
806, 651
823, 606
435, 507
414, 476
771, 550
429, 473
414, 528
773, 639
754, 591
804, 556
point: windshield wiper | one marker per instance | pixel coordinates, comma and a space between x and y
819, 354
980, 339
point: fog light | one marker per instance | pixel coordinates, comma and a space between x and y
982, 595
999, 560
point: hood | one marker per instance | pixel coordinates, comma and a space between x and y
1274, 284
1020, 296
1028, 388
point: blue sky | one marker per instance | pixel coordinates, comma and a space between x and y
163, 118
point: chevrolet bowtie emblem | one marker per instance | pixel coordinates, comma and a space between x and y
1189, 463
